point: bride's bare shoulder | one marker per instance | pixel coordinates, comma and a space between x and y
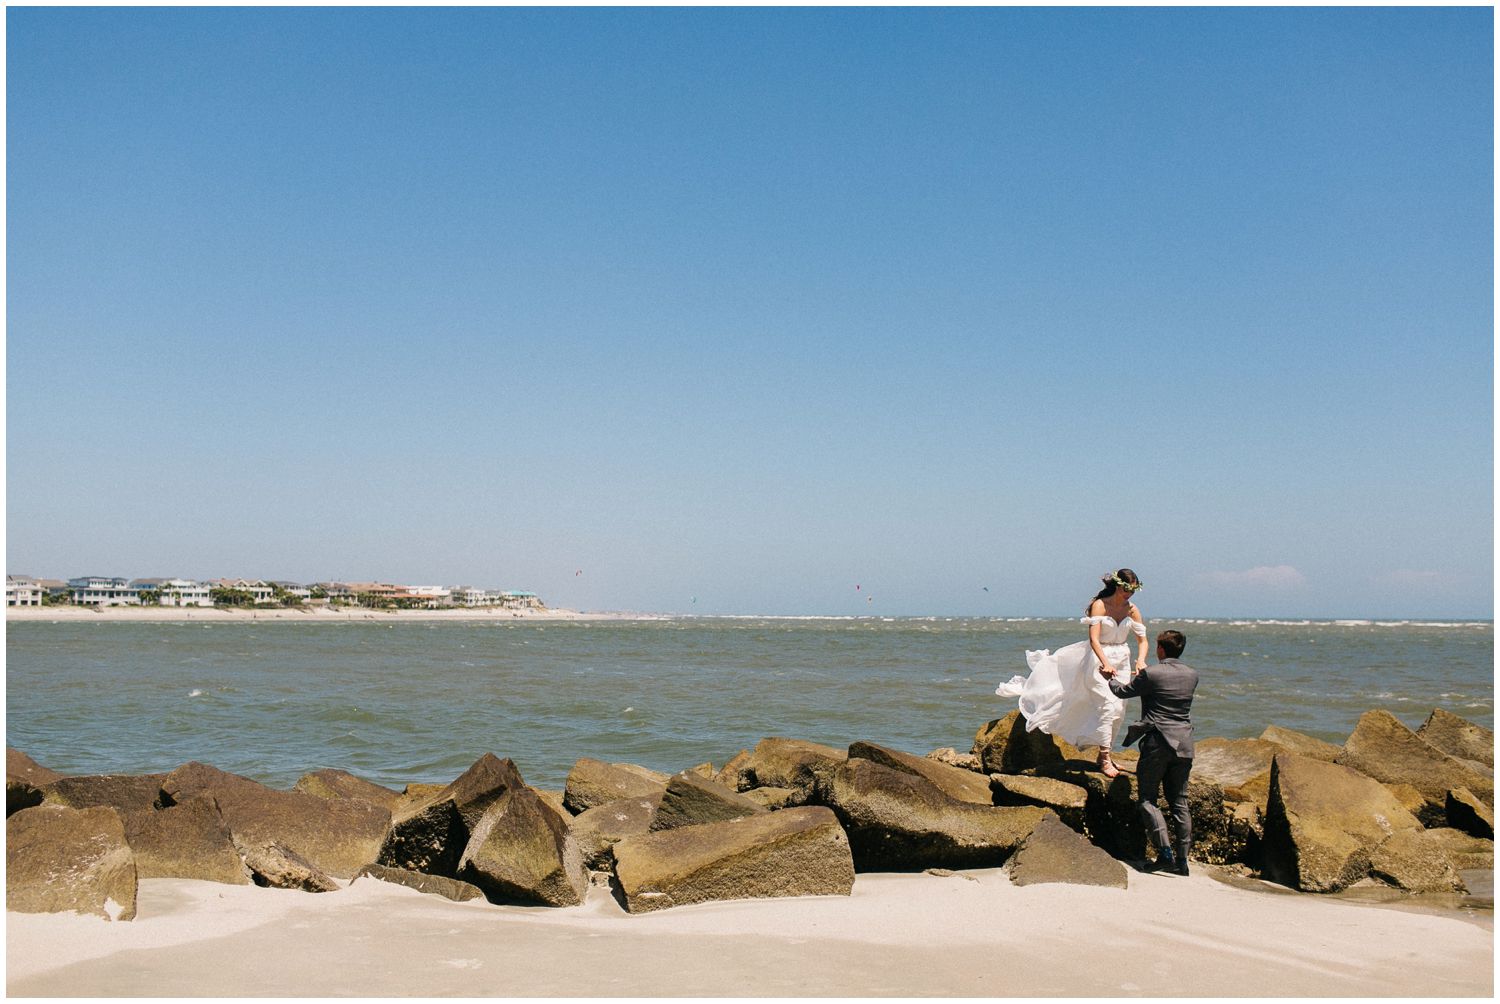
1096, 608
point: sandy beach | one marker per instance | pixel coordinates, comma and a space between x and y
965, 934
310, 615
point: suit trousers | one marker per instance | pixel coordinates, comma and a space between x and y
1160, 766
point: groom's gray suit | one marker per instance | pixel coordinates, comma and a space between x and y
1166, 734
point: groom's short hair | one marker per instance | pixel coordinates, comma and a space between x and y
1171, 643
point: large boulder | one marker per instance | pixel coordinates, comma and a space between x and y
597, 830
1301, 743
1231, 762
899, 821
771, 798
277, 866
522, 852
732, 774
1459, 738
190, 840
594, 782
24, 778
126, 792
436, 885
953, 758
336, 837
794, 852
431, 833
956, 782
796, 764
1323, 821
690, 799
1055, 852
59, 859
1467, 813
1414, 861
1383, 748
1464, 852
1069, 801
337, 784
1004, 746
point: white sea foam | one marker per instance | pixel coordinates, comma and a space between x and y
195, 693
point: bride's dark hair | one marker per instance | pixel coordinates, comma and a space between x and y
1111, 586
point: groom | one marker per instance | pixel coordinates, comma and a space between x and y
1166, 734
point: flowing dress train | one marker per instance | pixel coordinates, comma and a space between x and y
1065, 696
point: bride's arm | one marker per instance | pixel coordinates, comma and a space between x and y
1140, 638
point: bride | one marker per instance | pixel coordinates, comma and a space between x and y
1067, 694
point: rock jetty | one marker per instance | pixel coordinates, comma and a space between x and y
1393, 807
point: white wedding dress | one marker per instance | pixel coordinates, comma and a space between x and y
1065, 696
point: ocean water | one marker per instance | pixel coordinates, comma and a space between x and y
420, 701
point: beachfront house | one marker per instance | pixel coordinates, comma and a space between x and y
102, 591
426, 597
22, 591
258, 591
467, 596
513, 600
293, 591
183, 593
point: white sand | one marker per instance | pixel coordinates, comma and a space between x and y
907, 935
310, 615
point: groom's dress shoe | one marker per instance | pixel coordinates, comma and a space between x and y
1165, 865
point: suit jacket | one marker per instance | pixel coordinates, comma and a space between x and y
1166, 693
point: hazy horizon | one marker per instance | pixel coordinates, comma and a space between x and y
760, 310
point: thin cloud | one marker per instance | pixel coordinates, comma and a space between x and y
1259, 577
1410, 578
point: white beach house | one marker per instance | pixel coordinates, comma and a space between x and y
22, 591
467, 596
258, 590
102, 591
183, 593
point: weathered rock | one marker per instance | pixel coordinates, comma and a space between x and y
1459, 737
59, 859
1383, 748
1467, 813
594, 782
335, 784
554, 799
953, 758
431, 835
190, 840
1414, 802
1003, 746
1323, 821
276, 866
794, 852
1069, 801
704, 770
333, 836
903, 822
1464, 852
1411, 860
955, 782
436, 885
732, 774
771, 798
597, 830
1301, 744
24, 778
797, 764
126, 792
1231, 762
1055, 852
522, 852
690, 799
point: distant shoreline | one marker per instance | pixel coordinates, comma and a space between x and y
324, 615
318, 615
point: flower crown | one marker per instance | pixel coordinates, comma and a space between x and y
1129, 587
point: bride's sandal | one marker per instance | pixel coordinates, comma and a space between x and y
1107, 766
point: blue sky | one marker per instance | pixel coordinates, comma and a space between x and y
732, 310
